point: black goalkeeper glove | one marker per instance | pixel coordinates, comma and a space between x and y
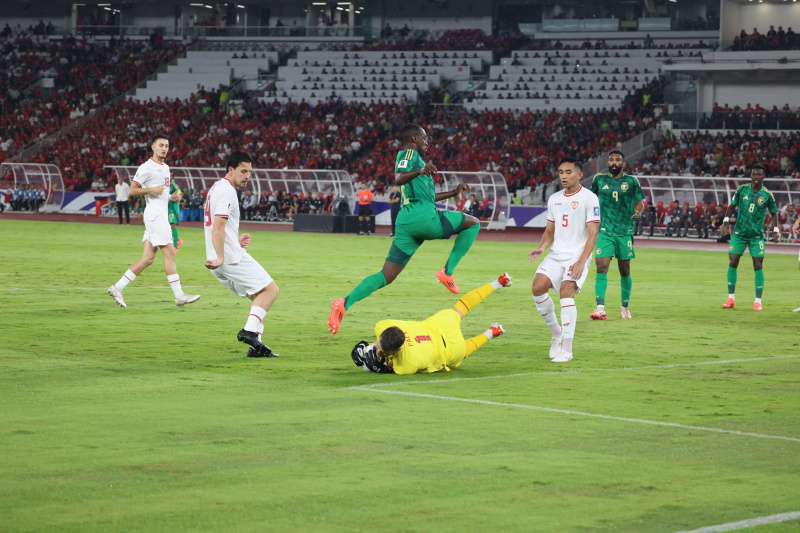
358, 353
373, 363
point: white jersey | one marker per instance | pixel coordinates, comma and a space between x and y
151, 174
223, 202
571, 213
121, 192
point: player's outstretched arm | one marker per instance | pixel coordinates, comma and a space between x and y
547, 240
451, 194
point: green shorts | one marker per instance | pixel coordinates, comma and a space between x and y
740, 244
174, 215
410, 235
615, 246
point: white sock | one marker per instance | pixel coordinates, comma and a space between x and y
175, 284
260, 330
123, 282
758, 300
569, 315
496, 285
254, 321
601, 307
547, 309
732, 297
489, 333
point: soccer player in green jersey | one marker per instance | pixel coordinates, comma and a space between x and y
174, 212
753, 201
418, 221
620, 207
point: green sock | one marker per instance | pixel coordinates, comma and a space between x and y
175, 237
759, 283
627, 284
600, 286
461, 247
367, 286
732, 280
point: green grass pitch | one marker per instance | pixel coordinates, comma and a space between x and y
151, 418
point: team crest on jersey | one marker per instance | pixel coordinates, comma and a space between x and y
624, 187
760, 201
575, 205
403, 163
598, 251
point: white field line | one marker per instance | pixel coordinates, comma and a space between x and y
376, 388
579, 413
753, 522
576, 371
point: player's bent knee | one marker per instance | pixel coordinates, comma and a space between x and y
470, 221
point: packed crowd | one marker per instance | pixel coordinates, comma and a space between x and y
86, 74
705, 154
773, 40
753, 118
357, 138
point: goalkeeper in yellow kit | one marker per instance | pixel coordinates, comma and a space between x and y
405, 347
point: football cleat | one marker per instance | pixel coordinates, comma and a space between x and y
599, 314
757, 306
447, 281
252, 352
504, 279
117, 295
796, 310
555, 345
251, 338
186, 299
562, 357
626, 313
336, 316
497, 329
730, 304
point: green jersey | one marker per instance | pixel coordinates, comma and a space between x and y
618, 197
418, 196
753, 206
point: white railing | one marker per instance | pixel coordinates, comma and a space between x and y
298, 181
694, 189
490, 185
44, 174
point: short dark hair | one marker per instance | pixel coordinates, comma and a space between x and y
408, 131
612, 152
157, 137
237, 158
758, 166
575, 162
392, 339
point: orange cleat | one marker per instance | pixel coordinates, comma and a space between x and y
447, 281
598, 315
730, 304
504, 279
497, 329
336, 316
756, 306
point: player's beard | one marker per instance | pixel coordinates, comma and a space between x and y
615, 170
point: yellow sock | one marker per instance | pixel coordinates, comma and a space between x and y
475, 342
468, 302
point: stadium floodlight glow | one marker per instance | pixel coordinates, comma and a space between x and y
319, 4
102, 5
197, 5
240, 6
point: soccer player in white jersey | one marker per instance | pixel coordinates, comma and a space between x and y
227, 256
152, 182
573, 221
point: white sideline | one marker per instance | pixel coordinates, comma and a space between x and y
761, 520
579, 413
576, 371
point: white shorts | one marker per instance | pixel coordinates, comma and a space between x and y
558, 270
245, 278
157, 231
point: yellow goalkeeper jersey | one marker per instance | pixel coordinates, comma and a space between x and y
432, 345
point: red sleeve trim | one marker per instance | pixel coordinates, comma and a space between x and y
553, 221
137, 183
592, 221
223, 216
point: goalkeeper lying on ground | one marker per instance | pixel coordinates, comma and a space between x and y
435, 344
